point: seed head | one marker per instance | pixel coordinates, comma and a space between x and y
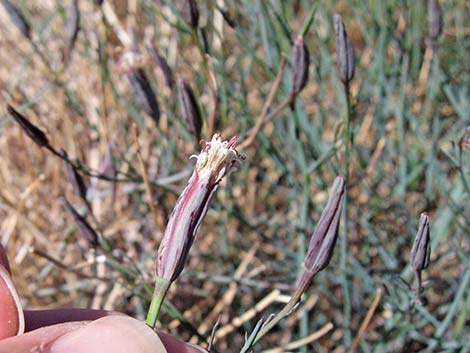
300, 65
344, 52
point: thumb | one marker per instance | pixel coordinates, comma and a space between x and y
107, 334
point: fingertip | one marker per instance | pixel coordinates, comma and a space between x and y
110, 334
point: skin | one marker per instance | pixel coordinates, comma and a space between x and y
75, 330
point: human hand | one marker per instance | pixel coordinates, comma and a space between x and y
74, 330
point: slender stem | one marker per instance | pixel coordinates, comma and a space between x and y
275, 320
462, 172
161, 288
264, 113
143, 169
344, 241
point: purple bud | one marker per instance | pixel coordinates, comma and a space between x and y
73, 25
191, 13
421, 251
435, 22
227, 17
205, 41
190, 108
87, 232
75, 179
36, 134
17, 18
131, 63
300, 65
322, 243
164, 67
464, 141
213, 163
344, 52
143, 93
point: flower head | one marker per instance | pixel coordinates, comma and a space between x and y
213, 163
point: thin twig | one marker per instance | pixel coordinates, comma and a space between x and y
213, 94
262, 118
303, 341
240, 320
365, 323
67, 268
143, 169
229, 295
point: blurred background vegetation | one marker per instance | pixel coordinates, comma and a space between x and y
409, 154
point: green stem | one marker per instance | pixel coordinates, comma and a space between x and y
344, 241
309, 20
161, 288
279, 316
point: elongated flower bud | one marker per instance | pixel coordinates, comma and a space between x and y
191, 13
86, 231
464, 141
72, 27
435, 22
322, 243
227, 17
75, 179
164, 67
36, 134
131, 63
344, 51
143, 93
421, 250
17, 18
190, 108
300, 66
213, 163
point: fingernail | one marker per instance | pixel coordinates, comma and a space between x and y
11, 312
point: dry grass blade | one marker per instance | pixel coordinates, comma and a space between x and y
367, 319
303, 341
